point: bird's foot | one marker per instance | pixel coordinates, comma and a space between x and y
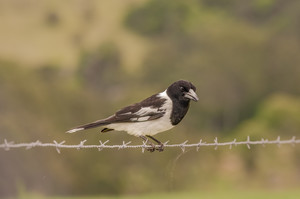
151, 148
160, 147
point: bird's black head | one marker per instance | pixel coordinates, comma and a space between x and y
183, 91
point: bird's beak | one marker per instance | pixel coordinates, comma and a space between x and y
191, 95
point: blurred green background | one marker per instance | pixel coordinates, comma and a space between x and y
65, 63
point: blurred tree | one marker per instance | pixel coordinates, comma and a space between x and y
256, 11
52, 18
158, 17
278, 115
100, 70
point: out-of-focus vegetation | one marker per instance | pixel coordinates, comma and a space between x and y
63, 64
228, 194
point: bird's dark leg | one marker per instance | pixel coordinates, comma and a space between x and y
152, 148
161, 145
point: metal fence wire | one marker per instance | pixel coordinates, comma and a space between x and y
7, 145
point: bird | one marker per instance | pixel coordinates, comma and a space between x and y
157, 113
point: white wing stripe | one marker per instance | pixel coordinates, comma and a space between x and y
145, 111
140, 119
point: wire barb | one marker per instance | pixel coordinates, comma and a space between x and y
182, 146
7, 144
248, 142
198, 145
124, 145
57, 145
102, 145
278, 141
293, 140
233, 142
216, 143
81, 145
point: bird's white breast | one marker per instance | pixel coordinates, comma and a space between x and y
151, 127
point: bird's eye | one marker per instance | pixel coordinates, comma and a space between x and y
182, 88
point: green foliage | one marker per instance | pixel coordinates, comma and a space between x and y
256, 11
278, 115
101, 68
158, 17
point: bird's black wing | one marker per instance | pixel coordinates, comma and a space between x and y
148, 109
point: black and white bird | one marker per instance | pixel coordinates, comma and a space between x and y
156, 114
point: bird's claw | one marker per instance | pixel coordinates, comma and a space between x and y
153, 147
160, 147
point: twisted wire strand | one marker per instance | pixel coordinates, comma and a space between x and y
6, 145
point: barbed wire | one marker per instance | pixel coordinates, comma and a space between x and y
6, 145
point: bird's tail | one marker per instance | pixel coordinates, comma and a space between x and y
90, 125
